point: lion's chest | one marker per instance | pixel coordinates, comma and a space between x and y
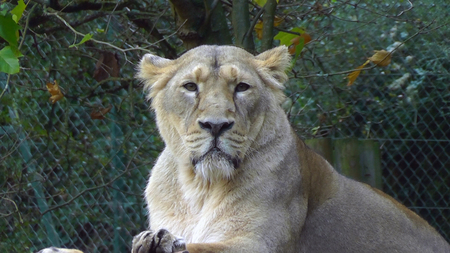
191, 222
186, 206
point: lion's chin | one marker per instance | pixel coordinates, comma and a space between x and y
215, 165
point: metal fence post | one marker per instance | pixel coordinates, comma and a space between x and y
118, 161
36, 184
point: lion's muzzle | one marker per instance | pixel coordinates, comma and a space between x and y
216, 128
216, 152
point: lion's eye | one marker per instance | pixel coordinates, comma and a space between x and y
242, 87
190, 87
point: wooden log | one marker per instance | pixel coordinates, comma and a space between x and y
346, 157
357, 159
370, 162
322, 146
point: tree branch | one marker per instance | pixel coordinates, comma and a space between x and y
420, 31
98, 41
147, 24
86, 5
78, 22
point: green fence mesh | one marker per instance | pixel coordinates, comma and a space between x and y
405, 106
73, 177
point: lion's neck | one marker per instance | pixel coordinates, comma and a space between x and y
198, 190
274, 140
273, 143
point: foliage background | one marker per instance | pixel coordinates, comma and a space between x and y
73, 177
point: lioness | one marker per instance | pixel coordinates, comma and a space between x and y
234, 177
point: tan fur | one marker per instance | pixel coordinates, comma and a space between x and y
282, 196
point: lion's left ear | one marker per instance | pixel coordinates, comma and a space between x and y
155, 72
273, 64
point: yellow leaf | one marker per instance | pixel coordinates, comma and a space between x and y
258, 29
259, 25
381, 58
262, 2
353, 75
277, 21
54, 90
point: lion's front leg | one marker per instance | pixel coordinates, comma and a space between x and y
160, 242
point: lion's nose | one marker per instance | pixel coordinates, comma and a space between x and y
216, 128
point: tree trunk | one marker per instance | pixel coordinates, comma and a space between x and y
241, 25
267, 30
200, 22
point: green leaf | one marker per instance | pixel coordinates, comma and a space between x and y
299, 47
3, 12
285, 38
262, 2
298, 50
16, 51
314, 130
9, 63
9, 29
85, 38
18, 11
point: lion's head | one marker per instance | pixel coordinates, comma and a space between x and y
212, 103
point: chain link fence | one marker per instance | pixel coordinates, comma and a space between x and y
73, 172
404, 106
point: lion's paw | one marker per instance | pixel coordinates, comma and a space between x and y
160, 242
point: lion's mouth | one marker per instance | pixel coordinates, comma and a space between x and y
216, 153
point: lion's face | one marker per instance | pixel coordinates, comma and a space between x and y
212, 101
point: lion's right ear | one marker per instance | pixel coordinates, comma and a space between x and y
271, 66
155, 72
274, 63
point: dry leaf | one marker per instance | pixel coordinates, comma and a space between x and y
99, 113
317, 7
291, 49
107, 66
353, 75
295, 41
54, 90
277, 21
259, 25
306, 37
381, 58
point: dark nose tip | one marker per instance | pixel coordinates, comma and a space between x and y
216, 129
